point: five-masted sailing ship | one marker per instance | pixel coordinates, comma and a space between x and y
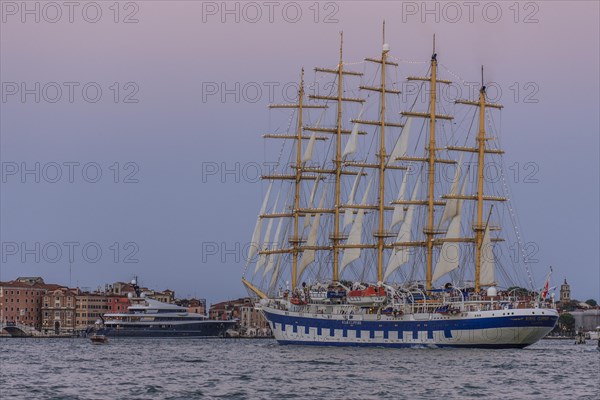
374, 247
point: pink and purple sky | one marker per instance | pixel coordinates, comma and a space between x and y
153, 130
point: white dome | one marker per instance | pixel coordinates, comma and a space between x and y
492, 291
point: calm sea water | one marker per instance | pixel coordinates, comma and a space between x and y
261, 369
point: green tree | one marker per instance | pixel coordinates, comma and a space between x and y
566, 322
591, 302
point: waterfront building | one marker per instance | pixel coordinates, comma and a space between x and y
166, 296
197, 306
21, 301
58, 311
251, 321
227, 309
89, 308
117, 303
120, 288
586, 320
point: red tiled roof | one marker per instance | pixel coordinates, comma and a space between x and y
39, 286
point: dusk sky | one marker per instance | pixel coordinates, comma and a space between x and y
158, 171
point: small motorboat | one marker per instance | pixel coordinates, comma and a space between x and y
99, 339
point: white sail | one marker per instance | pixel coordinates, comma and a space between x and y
398, 215
450, 254
308, 153
349, 213
275, 274
488, 264
310, 203
355, 236
352, 143
401, 147
254, 243
276, 241
265, 245
308, 256
401, 255
451, 208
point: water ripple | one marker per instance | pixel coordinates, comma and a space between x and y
261, 369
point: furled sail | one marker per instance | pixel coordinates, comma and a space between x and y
355, 236
308, 256
349, 213
401, 255
254, 243
401, 147
263, 257
452, 205
352, 143
398, 215
449, 254
488, 264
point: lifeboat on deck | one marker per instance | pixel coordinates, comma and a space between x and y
366, 297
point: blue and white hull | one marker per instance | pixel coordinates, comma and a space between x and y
514, 328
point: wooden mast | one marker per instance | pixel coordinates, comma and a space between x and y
297, 176
382, 161
338, 169
295, 239
479, 228
431, 187
480, 225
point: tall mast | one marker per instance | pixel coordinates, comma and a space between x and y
382, 160
479, 226
295, 239
431, 187
338, 169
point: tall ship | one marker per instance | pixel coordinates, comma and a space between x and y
152, 318
390, 204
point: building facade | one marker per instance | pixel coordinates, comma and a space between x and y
117, 304
197, 306
586, 320
21, 301
58, 311
167, 296
89, 308
251, 321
